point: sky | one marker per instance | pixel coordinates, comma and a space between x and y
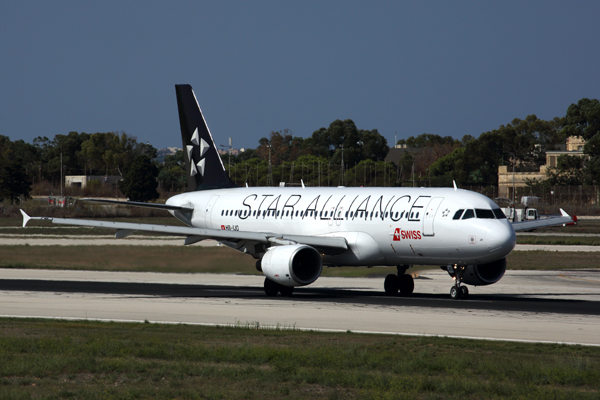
401, 67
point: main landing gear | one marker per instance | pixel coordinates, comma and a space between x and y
272, 288
401, 282
457, 291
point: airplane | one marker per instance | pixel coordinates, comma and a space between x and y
293, 232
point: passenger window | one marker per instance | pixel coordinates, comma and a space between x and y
469, 214
458, 214
376, 214
386, 214
346, 214
498, 213
483, 213
287, 213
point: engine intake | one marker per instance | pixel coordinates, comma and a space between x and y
484, 274
292, 265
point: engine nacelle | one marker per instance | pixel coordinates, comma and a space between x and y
292, 265
484, 274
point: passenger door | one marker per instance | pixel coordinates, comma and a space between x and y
429, 215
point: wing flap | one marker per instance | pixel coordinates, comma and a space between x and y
158, 206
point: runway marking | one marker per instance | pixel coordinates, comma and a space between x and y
578, 279
258, 326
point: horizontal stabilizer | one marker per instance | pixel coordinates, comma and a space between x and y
540, 223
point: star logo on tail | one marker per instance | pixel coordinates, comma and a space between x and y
197, 167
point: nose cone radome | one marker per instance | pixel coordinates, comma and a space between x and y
502, 239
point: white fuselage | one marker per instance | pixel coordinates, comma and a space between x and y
382, 226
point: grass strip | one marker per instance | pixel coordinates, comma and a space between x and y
183, 259
559, 240
90, 360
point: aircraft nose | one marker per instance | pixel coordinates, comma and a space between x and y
502, 240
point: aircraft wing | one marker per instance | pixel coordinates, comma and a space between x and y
539, 223
326, 244
158, 206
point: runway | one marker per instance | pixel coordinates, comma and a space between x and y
540, 306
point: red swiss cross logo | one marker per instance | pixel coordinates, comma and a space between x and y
222, 227
397, 235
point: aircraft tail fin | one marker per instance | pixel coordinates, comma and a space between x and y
203, 164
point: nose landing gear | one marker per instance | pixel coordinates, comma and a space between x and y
457, 291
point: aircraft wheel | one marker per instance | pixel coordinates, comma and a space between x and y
271, 288
407, 285
258, 266
391, 285
464, 292
455, 293
286, 290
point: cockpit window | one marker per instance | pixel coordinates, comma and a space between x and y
498, 213
469, 214
483, 213
458, 214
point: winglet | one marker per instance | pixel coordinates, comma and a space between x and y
454, 183
302, 184
26, 218
564, 213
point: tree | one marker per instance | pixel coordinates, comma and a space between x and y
583, 119
13, 182
139, 183
568, 171
429, 140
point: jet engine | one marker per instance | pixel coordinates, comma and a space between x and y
292, 265
484, 274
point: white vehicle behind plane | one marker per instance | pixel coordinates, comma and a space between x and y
294, 232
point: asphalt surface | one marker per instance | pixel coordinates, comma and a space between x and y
535, 306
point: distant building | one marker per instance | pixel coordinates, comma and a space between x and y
81, 181
234, 152
395, 153
167, 151
508, 179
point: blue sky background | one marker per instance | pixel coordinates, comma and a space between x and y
448, 68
